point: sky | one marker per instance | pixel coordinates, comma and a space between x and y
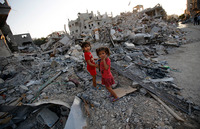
42, 17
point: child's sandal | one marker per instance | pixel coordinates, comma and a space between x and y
110, 96
115, 99
99, 88
94, 88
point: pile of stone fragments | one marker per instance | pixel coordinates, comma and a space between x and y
56, 71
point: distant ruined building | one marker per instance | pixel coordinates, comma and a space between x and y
155, 12
10, 43
193, 7
87, 23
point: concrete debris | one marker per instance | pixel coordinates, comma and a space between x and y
57, 71
47, 117
76, 119
36, 115
129, 45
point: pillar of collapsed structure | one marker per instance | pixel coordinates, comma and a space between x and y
9, 37
4, 27
4, 48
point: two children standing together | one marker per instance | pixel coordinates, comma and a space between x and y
107, 78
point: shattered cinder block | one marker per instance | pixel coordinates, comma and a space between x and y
135, 84
129, 45
65, 40
1, 81
23, 88
128, 58
47, 117
29, 97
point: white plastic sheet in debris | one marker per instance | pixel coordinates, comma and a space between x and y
76, 119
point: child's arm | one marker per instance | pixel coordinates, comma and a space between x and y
98, 66
94, 65
106, 66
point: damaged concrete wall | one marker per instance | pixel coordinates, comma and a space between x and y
4, 11
156, 12
5, 29
23, 39
138, 8
4, 49
86, 23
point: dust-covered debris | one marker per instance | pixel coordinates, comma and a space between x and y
57, 71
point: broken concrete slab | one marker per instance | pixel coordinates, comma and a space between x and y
65, 41
141, 38
129, 45
46, 45
135, 84
76, 119
128, 58
47, 117
160, 80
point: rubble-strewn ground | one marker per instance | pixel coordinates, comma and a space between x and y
33, 74
187, 59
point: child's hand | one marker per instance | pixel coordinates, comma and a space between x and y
96, 65
92, 59
105, 57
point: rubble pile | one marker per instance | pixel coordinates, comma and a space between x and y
57, 71
142, 29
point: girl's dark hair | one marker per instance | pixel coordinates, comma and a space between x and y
107, 50
84, 44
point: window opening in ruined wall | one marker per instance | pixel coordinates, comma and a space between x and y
24, 36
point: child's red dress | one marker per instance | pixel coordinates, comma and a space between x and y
107, 77
91, 69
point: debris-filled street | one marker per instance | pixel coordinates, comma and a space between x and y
154, 63
186, 59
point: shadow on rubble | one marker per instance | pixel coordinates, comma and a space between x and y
39, 115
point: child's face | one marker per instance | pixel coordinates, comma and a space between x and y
102, 54
86, 48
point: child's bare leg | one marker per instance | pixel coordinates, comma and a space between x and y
111, 91
94, 80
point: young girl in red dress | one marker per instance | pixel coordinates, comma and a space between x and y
91, 66
107, 77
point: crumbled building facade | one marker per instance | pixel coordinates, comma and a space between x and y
138, 8
4, 27
86, 23
156, 12
23, 39
193, 7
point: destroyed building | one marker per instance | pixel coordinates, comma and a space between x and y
193, 7
138, 8
102, 27
23, 39
156, 12
88, 23
24, 42
51, 88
